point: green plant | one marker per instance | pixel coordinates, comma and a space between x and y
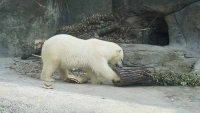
168, 78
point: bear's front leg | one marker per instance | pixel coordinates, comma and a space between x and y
92, 76
108, 73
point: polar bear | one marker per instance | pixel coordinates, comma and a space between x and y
65, 52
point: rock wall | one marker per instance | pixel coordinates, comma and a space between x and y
23, 21
184, 27
183, 21
157, 6
181, 16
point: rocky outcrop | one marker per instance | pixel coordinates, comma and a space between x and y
184, 27
196, 68
176, 37
157, 6
181, 17
23, 21
161, 58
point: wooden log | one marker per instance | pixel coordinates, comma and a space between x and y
107, 29
133, 75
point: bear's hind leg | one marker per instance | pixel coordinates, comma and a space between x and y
92, 76
47, 72
63, 73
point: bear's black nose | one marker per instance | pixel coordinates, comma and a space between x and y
119, 66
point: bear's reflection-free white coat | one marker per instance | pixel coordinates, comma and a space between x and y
65, 52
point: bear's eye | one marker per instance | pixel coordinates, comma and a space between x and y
118, 51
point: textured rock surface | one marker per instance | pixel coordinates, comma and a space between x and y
176, 38
189, 24
182, 19
158, 6
162, 58
23, 21
196, 68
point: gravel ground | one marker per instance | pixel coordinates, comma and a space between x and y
24, 94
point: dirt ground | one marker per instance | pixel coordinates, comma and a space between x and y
23, 93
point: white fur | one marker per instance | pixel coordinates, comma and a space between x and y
65, 52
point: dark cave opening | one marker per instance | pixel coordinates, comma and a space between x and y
159, 34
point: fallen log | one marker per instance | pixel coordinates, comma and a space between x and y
107, 29
133, 75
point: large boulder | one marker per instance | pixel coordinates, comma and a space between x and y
160, 58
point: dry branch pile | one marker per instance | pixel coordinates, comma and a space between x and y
105, 27
29, 68
33, 68
95, 22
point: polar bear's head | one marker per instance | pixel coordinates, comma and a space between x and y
117, 58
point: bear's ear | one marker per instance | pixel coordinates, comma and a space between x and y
118, 51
